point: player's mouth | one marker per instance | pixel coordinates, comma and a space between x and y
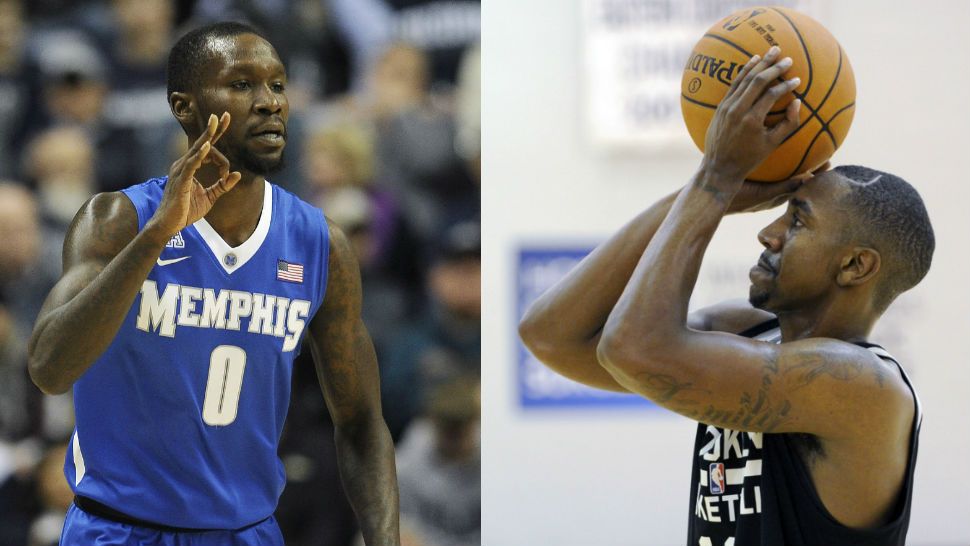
765, 263
271, 135
763, 268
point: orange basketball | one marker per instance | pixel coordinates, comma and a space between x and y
827, 88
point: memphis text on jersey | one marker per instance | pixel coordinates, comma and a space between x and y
237, 310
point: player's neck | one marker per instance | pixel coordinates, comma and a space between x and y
235, 215
837, 319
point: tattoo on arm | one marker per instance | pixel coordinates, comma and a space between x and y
811, 367
761, 410
666, 388
766, 409
719, 194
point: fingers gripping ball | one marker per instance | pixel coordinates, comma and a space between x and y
827, 87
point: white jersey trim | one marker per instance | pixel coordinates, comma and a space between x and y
232, 258
78, 460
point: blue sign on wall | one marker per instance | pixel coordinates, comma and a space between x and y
538, 269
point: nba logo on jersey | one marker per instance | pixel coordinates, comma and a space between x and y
176, 241
716, 478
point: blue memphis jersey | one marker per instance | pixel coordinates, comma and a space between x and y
178, 422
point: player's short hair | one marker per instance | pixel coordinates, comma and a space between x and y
190, 54
890, 216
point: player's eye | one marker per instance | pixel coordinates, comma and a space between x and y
241, 85
796, 222
278, 87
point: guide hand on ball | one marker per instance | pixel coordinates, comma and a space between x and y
738, 140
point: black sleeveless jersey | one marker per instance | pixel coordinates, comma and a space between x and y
754, 489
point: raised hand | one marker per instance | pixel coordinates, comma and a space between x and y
737, 139
185, 200
755, 196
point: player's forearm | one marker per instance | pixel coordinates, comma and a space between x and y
650, 317
575, 308
67, 339
366, 457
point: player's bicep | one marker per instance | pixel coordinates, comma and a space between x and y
817, 386
342, 348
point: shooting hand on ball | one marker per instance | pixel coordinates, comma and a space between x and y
757, 196
737, 139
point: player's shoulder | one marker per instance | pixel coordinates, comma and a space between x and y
732, 316
103, 225
858, 370
105, 208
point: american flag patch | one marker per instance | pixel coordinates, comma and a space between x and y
286, 271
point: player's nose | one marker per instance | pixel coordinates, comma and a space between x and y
266, 101
772, 235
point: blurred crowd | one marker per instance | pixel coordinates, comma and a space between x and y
383, 136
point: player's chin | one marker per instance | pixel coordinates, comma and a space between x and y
759, 296
263, 162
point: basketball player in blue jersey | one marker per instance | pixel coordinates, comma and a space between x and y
807, 433
183, 302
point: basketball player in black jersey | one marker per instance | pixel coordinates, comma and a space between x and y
810, 441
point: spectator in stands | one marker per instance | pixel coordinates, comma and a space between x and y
400, 81
15, 83
60, 163
439, 466
443, 28
29, 266
24, 278
445, 339
75, 90
136, 56
340, 157
305, 36
416, 143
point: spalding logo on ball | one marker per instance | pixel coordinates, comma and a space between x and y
827, 90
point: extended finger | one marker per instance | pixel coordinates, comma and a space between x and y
760, 82
779, 132
206, 136
775, 92
736, 83
222, 127
757, 67
195, 160
223, 185
216, 158
183, 172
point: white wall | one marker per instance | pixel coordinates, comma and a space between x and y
619, 477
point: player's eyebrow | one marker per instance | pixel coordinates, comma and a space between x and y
250, 66
801, 205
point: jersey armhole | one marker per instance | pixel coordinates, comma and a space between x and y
139, 205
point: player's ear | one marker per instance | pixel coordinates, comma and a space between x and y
858, 266
183, 107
